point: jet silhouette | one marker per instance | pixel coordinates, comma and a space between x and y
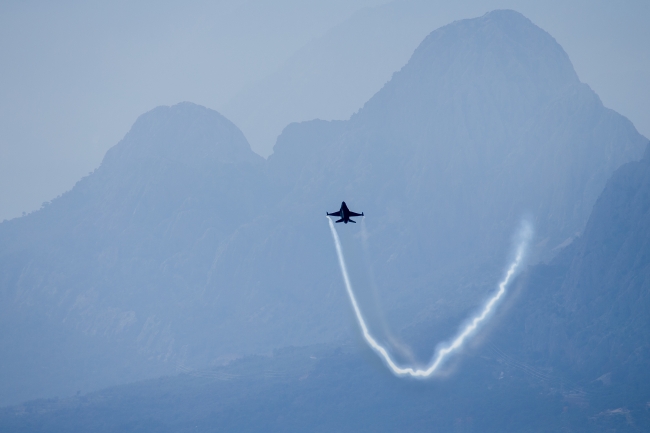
345, 214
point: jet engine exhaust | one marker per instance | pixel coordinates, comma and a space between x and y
449, 348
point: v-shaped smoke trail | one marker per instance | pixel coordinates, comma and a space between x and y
459, 340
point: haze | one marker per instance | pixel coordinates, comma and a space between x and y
75, 75
496, 261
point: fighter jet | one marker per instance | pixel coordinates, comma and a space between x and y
345, 214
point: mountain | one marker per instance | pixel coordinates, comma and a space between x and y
569, 355
487, 124
185, 249
90, 282
333, 75
585, 313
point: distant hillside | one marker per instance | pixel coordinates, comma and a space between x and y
586, 313
90, 282
185, 249
317, 389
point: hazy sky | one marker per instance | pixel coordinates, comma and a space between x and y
75, 75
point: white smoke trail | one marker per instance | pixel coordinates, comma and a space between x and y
395, 343
459, 340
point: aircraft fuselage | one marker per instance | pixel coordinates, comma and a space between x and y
345, 214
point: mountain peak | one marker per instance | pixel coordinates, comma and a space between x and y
501, 56
186, 133
502, 36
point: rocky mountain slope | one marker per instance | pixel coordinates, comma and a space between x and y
586, 313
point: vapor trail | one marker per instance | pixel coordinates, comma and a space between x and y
457, 343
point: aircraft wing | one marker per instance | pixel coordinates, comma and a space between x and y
353, 214
338, 213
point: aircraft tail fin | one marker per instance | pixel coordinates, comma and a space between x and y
339, 221
352, 221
